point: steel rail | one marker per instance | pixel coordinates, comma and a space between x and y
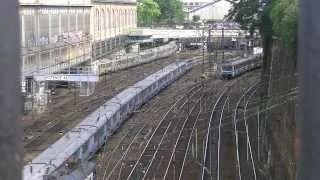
125, 152
247, 132
208, 129
179, 136
158, 126
219, 136
236, 131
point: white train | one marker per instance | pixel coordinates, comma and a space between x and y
71, 156
105, 66
234, 68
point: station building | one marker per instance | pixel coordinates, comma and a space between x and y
57, 34
111, 20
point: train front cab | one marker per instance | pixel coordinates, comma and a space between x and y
227, 72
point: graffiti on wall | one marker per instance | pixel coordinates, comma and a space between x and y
33, 40
66, 37
73, 37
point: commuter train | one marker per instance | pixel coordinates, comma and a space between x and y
236, 67
105, 66
71, 157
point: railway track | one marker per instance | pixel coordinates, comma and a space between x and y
239, 114
180, 103
51, 125
158, 135
165, 152
210, 166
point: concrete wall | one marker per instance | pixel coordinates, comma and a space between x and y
51, 35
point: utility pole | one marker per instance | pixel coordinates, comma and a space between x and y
209, 44
203, 44
10, 93
222, 42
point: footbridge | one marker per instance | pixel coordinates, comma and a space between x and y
186, 33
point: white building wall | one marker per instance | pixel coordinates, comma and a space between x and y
215, 11
109, 22
51, 35
55, 2
55, 31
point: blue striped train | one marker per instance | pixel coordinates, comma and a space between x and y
71, 157
131, 60
238, 66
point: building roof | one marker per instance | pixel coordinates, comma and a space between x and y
116, 1
55, 2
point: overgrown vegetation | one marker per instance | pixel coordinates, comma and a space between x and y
246, 13
171, 11
195, 18
282, 14
285, 22
148, 12
160, 11
277, 22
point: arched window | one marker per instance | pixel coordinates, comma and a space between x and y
125, 18
103, 21
113, 18
133, 18
117, 19
97, 20
108, 19
122, 18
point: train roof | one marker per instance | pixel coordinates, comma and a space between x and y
56, 154
239, 61
133, 55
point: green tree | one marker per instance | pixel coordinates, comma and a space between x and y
195, 18
171, 11
282, 15
246, 13
148, 12
285, 21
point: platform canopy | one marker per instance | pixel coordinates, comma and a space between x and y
67, 77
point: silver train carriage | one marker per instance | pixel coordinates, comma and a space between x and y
73, 153
240, 66
132, 60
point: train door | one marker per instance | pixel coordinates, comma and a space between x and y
108, 126
91, 146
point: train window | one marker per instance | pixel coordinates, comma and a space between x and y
115, 117
96, 137
85, 147
77, 155
131, 103
101, 131
227, 68
123, 110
